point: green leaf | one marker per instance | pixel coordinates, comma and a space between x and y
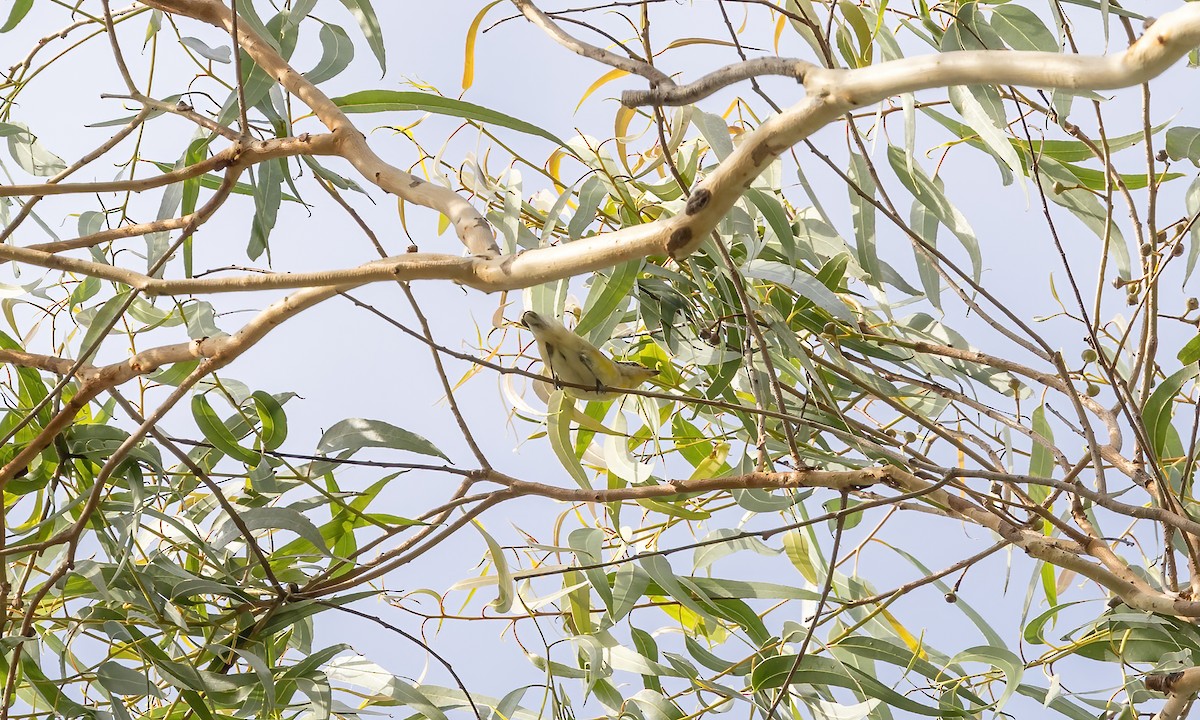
591, 193
208, 181
48, 690
862, 215
1008, 663
1097, 179
504, 579
336, 53
98, 442
740, 612
269, 518
742, 589
1059, 182
1074, 151
369, 24
629, 585
29, 153
1191, 201
1022, 29
1184, 142
609, 291
175, 374
677, 587
849, 520
729, 542
1190, 352
823, 671
1041, 460
220, 54
673, 509
120, 680
559, 411
218, 434
1034, 629
354, 434
980, 106
98, 324
19, 9
925, 225
802, 283
772, 209
588, 546
1097, 4
371, 101
1058, 704
1049, 583
1160, 407
929, 193
795, 543
268, 192
273, 419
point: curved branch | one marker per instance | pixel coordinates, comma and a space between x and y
1167, 40
831, 94
1180, 687
631, 65
217, 162
470, 225
718, 79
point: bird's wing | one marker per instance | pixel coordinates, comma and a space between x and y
594, 366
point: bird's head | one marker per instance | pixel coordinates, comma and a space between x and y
532, 320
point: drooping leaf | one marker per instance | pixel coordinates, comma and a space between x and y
218, 433
270, 518
368, 23
504, 581
28, 151
354, 434
372, 101
221, 53
1160, 407
802, 283
337, 51
20, 8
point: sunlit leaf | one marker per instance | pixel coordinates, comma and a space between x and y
337, 51
355, 434
372, 101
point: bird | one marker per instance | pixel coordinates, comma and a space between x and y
571, 359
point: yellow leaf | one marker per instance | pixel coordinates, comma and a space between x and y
443, 223
713, 464
605, 78
621, 124
684, 42
552, 167
912, 643
469, 54
621, 132
796, 546
779, 26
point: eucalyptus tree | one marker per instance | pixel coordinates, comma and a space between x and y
913, 277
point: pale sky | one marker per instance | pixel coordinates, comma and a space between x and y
344, 363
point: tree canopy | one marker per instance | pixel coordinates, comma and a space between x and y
914, 278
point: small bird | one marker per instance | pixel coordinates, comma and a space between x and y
571, 359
